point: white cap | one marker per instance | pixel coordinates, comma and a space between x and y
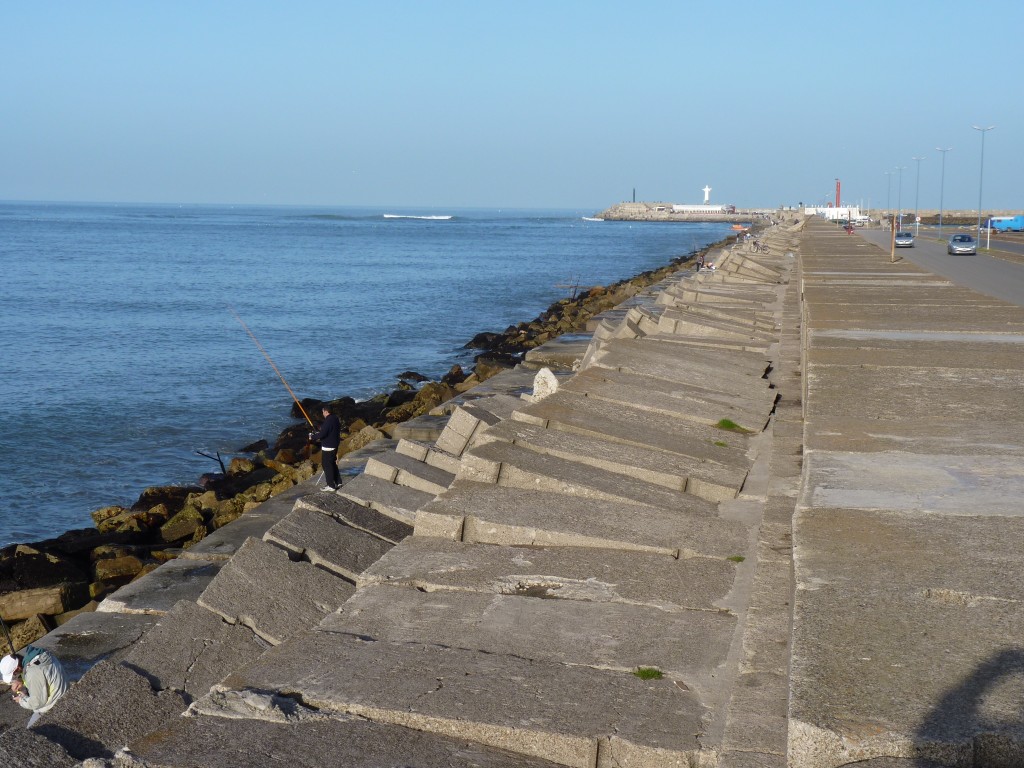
7, 666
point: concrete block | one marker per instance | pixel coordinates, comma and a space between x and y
92, 637
540, 709
192, 648
705, 479
685, 645
523, 517
632, 426
159, 590
277, 598
357, 516
27, 749
108, 708
244, 734
559, 573
396, 501
408, 472
328, 543
523, 468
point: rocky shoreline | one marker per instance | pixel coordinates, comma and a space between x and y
44, 584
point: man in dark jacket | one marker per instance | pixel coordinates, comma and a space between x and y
329, 438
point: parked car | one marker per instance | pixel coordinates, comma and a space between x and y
962, 244
904, 239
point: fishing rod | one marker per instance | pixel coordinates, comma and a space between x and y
279, 375
7, 634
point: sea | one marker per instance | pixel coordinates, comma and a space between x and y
124, 357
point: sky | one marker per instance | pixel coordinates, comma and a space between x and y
526, 104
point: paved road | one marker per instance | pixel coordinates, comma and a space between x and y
986, 274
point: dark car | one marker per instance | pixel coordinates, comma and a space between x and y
904, 239
962, 244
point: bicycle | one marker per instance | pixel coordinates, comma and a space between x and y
757, 246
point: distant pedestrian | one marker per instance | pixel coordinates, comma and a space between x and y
329, 438
36, 678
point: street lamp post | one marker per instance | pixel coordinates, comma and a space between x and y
981, 175
917, 190
942, 184
899, 196
888, 193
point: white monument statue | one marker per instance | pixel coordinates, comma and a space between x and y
707, 193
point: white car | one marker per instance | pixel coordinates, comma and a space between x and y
962, 244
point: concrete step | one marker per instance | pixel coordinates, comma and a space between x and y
762, 321
570, 715
231, 729
624, 356
328, 543
667, 352
408, 472
428, 454
363, 518
190, 649
662, 396
615, 422
699, 477
159, 590
263, 589
558, 573
515, 467
494, 514
472, 418
396, 501
685, 645
559, 354
690, 323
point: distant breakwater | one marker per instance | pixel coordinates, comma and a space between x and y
45, 583
663, 212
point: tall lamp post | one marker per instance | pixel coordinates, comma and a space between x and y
942, 184
981, 176
899, 197
917, 190
888, 193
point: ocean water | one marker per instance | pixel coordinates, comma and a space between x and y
121, 358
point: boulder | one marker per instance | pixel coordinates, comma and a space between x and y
105, 513
172, 495
24, 567
182, 525
27, 631
113, 569
360, 439
50, 601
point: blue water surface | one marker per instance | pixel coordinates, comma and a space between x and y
121, 358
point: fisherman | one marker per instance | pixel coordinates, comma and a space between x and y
36, 678
329, 438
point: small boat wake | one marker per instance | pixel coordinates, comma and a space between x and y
590, 218
424, 218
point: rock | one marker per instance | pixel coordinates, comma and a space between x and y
360, 439
286, 456
64, 618
105, 513
34, 568
172, 495
27, 631
114, 569
182, 525
544, 383
45, 600
412, 376
259, 445
285, 470
454, 376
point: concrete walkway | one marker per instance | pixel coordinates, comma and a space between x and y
596, 568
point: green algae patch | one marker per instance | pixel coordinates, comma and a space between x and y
736, 558
731, 426
648, 673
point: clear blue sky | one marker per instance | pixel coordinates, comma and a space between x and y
549, 103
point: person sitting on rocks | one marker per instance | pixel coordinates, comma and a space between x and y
36, 678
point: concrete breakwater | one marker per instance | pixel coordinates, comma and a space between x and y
764, 515
592, 474
44, 584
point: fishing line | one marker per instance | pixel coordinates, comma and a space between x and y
279, 375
